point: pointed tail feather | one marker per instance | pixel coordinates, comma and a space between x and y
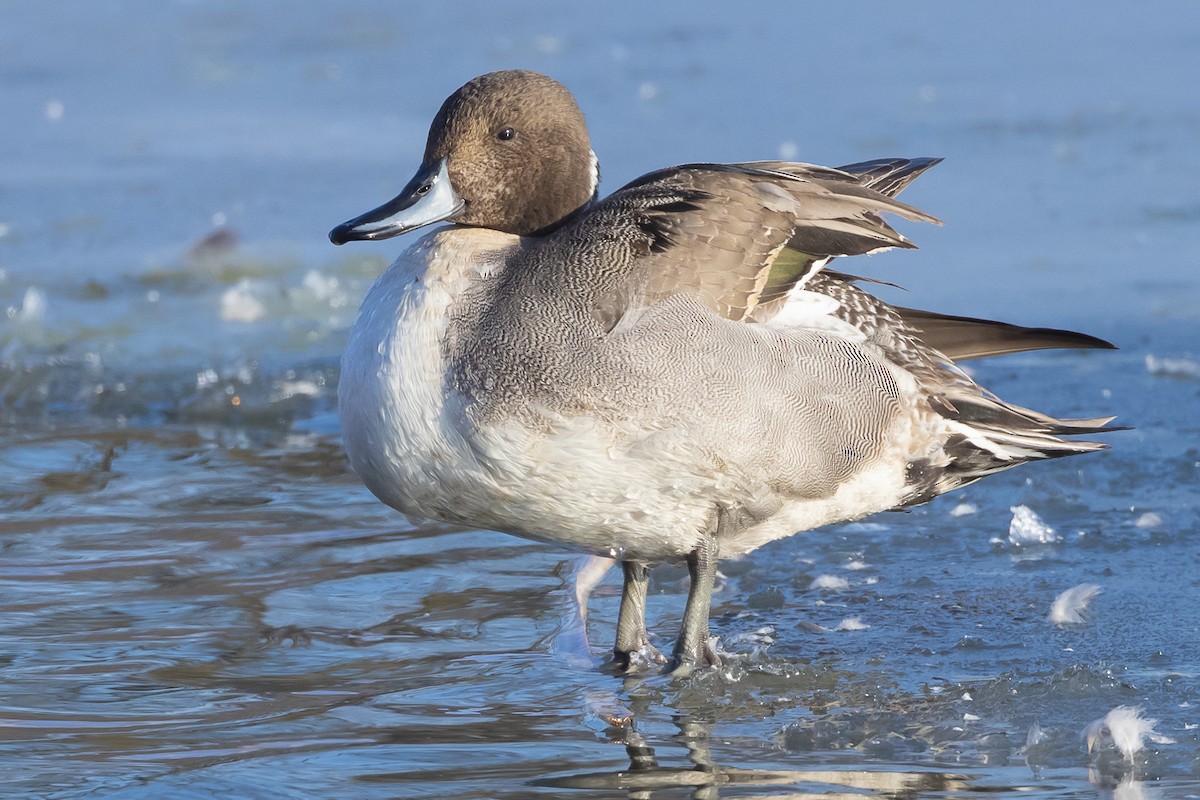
990, 435
964, 338
889, 176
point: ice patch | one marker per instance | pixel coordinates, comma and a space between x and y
32, 310
320, 297
1070, 606
1172, 367
26, 322
763, 637
963, 509
852, 624
829, 583
323, 287
1027, 528
238, 304
285, 390
1149, 520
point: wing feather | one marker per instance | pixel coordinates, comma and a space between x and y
738, 235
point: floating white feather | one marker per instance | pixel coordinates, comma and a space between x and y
1126, 728
1071, 606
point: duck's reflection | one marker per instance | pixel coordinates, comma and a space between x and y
646, 775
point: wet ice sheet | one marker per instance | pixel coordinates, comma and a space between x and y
197, 599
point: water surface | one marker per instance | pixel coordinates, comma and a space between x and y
198, 599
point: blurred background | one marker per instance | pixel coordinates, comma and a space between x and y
197, 598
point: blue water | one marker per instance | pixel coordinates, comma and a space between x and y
198, 599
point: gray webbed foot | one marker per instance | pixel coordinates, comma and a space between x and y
694, 649
633, 651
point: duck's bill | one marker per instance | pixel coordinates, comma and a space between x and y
428, 198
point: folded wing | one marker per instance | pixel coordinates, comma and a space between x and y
743, 236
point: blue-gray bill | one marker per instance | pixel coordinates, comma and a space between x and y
428, 198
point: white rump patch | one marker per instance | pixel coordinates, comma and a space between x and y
816, 312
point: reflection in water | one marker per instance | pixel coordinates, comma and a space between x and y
706, 777
702, 774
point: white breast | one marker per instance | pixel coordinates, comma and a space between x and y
400, 438
566, 482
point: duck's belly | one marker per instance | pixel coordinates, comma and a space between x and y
568, 485
578, 486
582, 485
575, 482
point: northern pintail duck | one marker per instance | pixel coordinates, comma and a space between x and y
672, 373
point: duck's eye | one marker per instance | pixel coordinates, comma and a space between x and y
505, 134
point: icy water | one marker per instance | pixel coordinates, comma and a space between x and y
198, 599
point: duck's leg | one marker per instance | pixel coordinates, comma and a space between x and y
692, 649
631, 620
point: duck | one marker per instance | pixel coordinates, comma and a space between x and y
673, 373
